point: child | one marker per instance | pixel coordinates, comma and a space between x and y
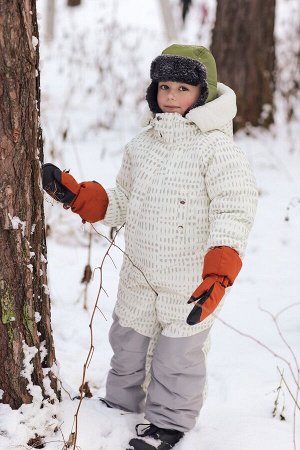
187, 195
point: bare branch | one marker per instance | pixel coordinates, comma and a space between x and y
296, 378
282, 338
286, 309
87, 271
127, 256
289, 391
101, 313
261, 344
74, 434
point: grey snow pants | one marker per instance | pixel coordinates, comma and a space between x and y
178, 375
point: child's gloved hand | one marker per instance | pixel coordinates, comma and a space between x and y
60, 185
221, 267
88, 199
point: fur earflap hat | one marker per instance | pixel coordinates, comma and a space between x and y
186, 64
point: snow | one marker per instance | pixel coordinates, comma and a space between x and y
43, 352
30, 267
37, 418
46, 289
43, 259
29, 353
37, 316
35, 41
16, 221
248, 350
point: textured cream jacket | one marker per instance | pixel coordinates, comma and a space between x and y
183, 187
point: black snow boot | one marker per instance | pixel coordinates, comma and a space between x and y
166, 439
105, 402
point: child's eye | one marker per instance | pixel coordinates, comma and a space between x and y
183, 88
164, 87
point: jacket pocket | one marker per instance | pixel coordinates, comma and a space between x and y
192, 215
182, 213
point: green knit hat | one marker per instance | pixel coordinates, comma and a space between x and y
204, 56
186, 64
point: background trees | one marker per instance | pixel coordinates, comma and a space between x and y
243, 45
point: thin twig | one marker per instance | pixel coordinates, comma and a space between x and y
286, 308
91, 349
278, 394
261, 344
105, 292
274, 318
294, 419
296, 380
282, 337
289, 391
101, 313
112, 261
86, 282
127, 256
62, 386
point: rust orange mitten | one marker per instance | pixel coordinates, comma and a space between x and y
88, 199
91, 202
221, 267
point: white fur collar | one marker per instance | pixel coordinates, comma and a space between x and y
215, 115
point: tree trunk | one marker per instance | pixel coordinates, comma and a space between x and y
50, 15
168, 18
243, 45
24, 298
74, 2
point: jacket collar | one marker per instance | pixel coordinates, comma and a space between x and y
172, 127
215, 115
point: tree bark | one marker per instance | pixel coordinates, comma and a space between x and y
243, 45
24, 298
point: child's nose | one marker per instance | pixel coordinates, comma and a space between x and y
171, 94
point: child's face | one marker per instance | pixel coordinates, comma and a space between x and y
176, 97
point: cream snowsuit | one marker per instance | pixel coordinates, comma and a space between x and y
183, 187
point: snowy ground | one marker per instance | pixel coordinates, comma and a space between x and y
243, 376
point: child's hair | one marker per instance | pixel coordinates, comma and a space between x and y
189, 64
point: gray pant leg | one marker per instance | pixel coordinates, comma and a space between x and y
178, 374
127, 373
